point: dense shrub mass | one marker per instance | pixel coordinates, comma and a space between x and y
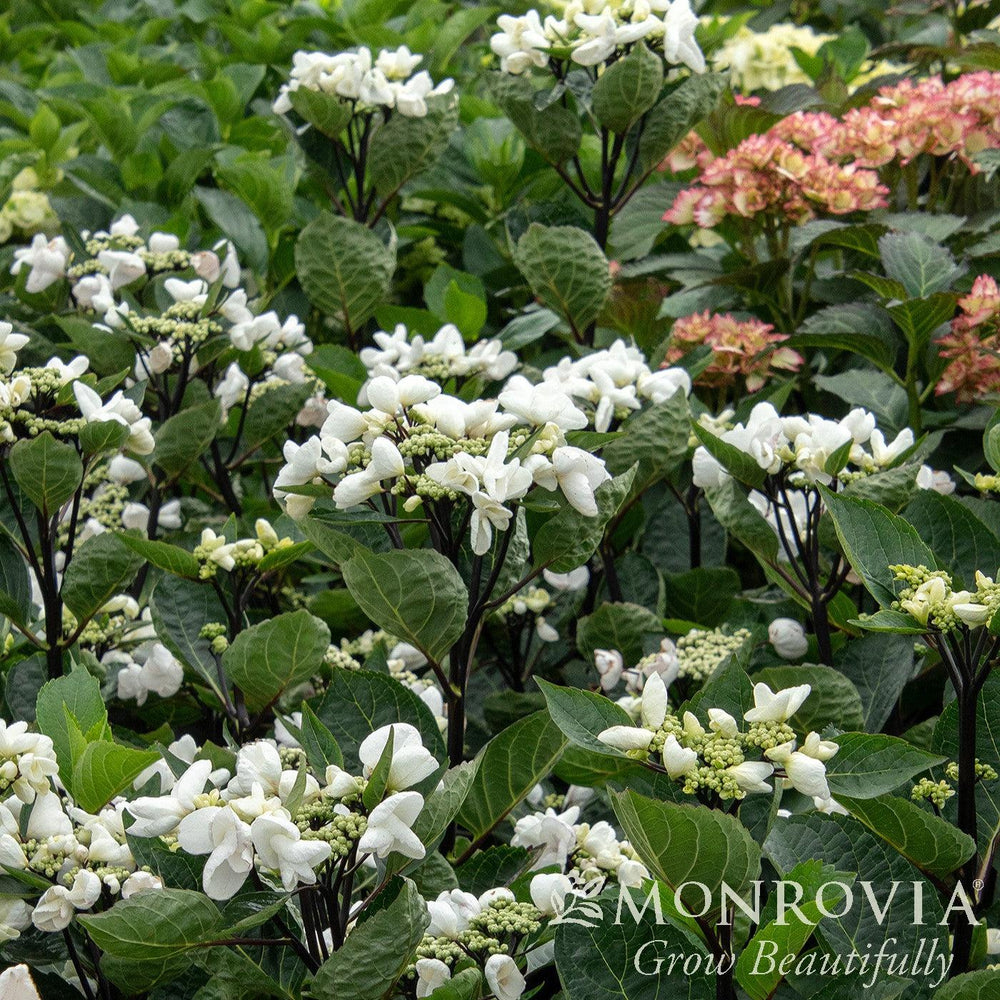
499, 503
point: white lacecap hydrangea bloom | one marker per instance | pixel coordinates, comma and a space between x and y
387, 81
593, 32
205, 300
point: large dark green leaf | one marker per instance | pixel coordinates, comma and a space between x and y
418, 596
283, 651
357, 702
689, 844
510, 765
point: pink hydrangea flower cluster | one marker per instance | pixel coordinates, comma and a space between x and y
746, 348
764, 173
813, 162
906, 120
973, 344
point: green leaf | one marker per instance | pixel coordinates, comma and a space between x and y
553, 130
107, 435
377, 952
891, 488
656, 438
494, 866
928, 841
979, 985
510, 765
729, 687
960, 541
378, 780
991, 442
677, 113
104, 770
340, 546
787, 935
467, 312
880, 667
919, 318
404, 147
873, 540
568, 538
318, 743
627, 89
417, 596
689, 843
23, 682
178, 869
238, 222
618, 626
99, 569
833, 701
180, 609
357, 702
47, 471
15, 587
77, 693
149, 933
467, 985
233, 974
278, 653
183, 437
703, 595
271, 413
742, 520
566, 270
845, 844
582, 715
858, 327
868, 765
327, 112
919, 264
284, 556
739, 464
610, 955
344, 268
889, 622
163, 555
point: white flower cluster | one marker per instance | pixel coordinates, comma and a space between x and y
592, 32
500, 971
585, 851
695, 655
717, 760
805, 446
149, 668
444, 356
30, 403
463, 925
533, 601
45, 835
266, 816
423, 446
609, 383
217, 552
611, 668
929, 597
387, 81
10, 344
205, 301
27, 761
